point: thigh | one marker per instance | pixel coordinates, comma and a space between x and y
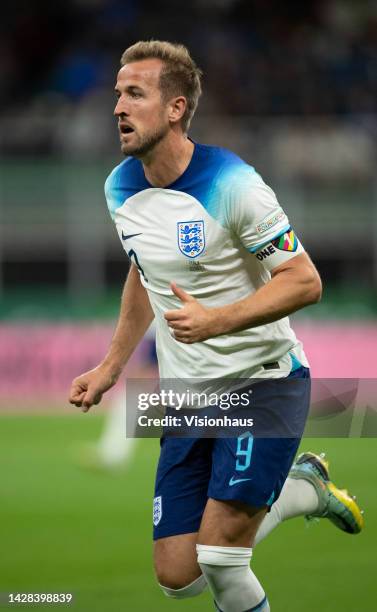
183, 474
230, 523
175, 560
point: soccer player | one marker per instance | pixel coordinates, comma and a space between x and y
215, 261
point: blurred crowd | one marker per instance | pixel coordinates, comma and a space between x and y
290, 86
260, 57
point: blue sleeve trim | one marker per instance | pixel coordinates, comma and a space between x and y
262, 244
124, 181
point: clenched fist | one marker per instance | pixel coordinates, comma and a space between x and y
87, 389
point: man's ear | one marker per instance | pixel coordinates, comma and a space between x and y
177, 108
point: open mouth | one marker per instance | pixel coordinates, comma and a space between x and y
125, 129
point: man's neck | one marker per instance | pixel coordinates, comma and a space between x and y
169, 160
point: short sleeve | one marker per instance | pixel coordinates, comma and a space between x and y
259, 221
257, 217
113, 193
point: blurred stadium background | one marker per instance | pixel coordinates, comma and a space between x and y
291, 87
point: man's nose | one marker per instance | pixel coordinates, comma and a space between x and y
120, 108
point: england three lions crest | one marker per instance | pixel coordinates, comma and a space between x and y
157, 510
191, 239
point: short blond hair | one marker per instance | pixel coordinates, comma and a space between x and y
180, 76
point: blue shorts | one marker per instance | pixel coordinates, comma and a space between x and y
245, 469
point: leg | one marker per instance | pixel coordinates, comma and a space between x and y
247, 477
297, 498
309, 492
176, 566
180, 498
230, 523
224, 551
240, 490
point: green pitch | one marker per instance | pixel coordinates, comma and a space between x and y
64, 529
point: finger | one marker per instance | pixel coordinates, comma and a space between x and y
181, 294
179, 326
76, 397
77, 387
78, 402
181, 335
86, 406
90, 398
174, 315
184, 339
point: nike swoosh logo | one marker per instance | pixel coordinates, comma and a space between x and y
233, 482
126, 237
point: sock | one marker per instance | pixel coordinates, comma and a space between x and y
191, 590
233, 585
297, 498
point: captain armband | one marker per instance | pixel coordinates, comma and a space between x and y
279, 250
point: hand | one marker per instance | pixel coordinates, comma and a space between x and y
193, 322
87, 389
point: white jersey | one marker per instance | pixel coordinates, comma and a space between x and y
214, 231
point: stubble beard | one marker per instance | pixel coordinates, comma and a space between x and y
146, 144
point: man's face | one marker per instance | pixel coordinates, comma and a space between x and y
142, 115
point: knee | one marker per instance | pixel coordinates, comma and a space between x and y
176, 566
171, 580
175, 562
175, 577
180, 587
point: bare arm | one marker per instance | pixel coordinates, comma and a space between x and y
294, 284
134, 319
